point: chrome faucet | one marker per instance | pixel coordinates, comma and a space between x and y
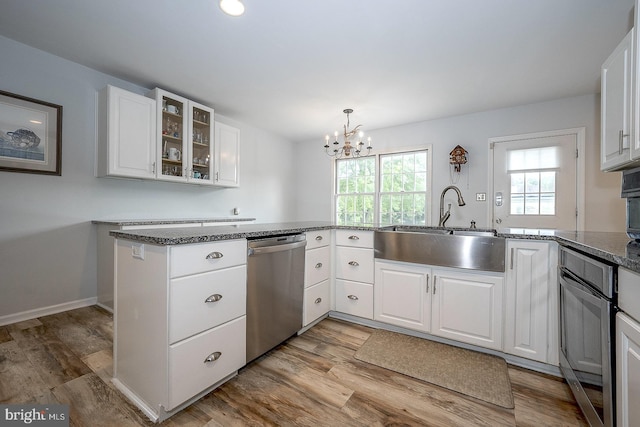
444, 216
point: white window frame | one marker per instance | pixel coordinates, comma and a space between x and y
428, 205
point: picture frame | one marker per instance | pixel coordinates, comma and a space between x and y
30, 135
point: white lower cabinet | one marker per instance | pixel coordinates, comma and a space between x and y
317, 301
467, 307
179, 321
628, 349
317, 276
462, 306
200, 361
402, 296
628, 371
355, 298
354, 272
531, 306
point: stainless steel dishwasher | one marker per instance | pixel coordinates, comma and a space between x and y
275, 287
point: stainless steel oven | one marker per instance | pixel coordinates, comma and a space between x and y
588, 300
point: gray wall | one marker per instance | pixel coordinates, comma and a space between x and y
605, 211
47, 241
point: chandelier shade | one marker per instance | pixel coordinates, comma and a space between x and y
347, 149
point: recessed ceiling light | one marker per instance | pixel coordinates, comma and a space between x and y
232, 7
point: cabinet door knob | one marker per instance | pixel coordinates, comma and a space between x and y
215, 255
353, 263
214, 298
354, 238
352, 297
318, 238
213, 357
318, 300
319, 265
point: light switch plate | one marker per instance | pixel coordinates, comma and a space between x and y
137, 250
481, 197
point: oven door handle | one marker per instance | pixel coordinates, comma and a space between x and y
567, 278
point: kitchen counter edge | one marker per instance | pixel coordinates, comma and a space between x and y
613, 247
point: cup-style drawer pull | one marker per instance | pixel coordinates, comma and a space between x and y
318, 238
319, 265
214, 298
354, 238
215, 255
213, 357
352, 297
318, 300
353, 263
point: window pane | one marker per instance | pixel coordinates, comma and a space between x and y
532, 182
547, 204
517, 183
421, 181
517, 204
532, 204
408, 163
548, 182
370, 184
421, 161
386, 165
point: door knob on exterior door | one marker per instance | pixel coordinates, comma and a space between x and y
498, 221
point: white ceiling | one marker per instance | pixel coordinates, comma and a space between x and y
292, 66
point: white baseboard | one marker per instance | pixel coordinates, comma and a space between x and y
46, 311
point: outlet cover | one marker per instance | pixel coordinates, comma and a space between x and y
481, 197
137, 250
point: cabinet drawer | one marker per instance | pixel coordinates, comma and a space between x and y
201, 257
354, 264
317, 301
190, 373
317, 265
189, 311
354, 298
318, 238
355, 238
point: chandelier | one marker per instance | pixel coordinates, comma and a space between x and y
347, 149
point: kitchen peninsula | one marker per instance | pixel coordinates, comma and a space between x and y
158, 269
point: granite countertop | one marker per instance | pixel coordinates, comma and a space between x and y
129, 222
180, 236
615, 248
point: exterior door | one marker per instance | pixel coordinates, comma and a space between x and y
535, 181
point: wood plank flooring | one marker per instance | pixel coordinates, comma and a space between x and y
311, 380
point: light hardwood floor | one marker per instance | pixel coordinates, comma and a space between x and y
311, 380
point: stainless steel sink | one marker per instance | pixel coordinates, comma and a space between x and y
468, 249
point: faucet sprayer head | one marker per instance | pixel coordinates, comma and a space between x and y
461, 200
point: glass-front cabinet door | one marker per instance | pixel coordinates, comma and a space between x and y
173, 132
185, 139
201, 143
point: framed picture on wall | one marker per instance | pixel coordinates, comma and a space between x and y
30, 135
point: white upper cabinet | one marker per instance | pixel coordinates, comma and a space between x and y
616, 107
185, 139
227, 155
127, 134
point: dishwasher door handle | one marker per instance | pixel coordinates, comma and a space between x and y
275, 248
